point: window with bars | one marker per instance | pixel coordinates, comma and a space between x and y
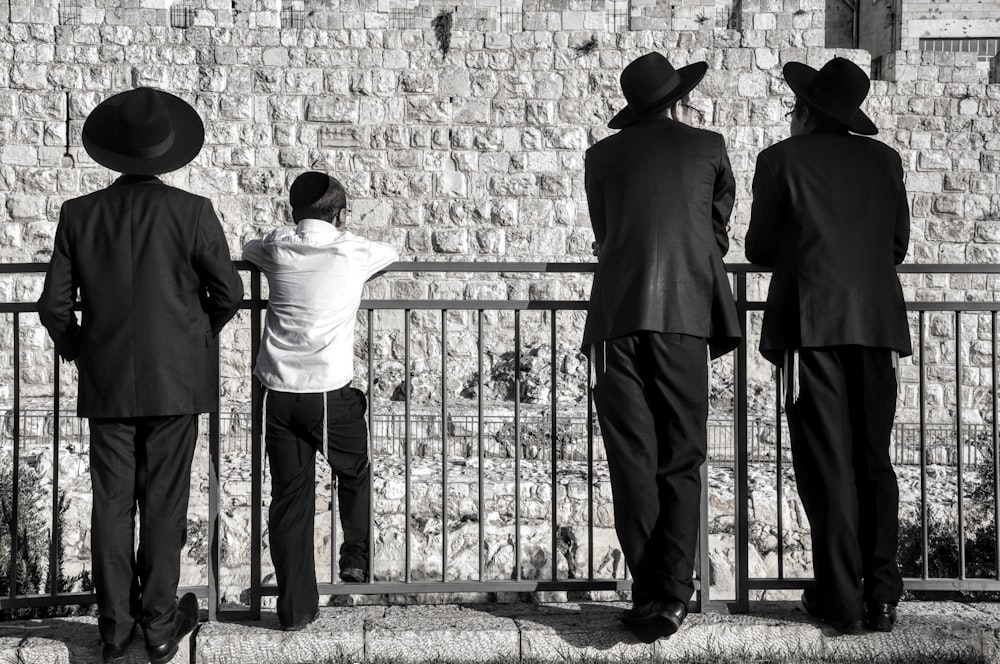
402, 18
511, 15
293, 17
181, 16
618, 15
984, 47
69, 12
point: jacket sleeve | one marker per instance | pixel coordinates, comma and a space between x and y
221, 286
901, 232
595, 199
55, 306
765, 215
722, 198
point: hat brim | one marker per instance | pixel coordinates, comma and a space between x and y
101, 126
691, 76
800, 76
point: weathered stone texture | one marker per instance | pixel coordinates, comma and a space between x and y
478, 155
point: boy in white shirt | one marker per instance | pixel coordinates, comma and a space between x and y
315, 274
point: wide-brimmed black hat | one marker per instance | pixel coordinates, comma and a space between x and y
835, 91
650, 84
143, 132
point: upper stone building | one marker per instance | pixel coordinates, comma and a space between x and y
883, 27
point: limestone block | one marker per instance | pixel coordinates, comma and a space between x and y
934, 160
450, 241
332, 109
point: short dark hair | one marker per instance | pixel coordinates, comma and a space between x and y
318, 202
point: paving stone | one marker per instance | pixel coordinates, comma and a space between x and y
337, 634
448, 633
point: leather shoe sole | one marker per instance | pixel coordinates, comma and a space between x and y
185, 622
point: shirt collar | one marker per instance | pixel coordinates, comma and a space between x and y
315, 226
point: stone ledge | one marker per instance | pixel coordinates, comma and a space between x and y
585, 632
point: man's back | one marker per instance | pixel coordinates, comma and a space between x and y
660, 194
156, 284
830, 216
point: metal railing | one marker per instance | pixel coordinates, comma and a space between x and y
753, 438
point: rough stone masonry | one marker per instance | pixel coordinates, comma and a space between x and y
478, 155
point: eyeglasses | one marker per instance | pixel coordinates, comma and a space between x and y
700, 114
795, 109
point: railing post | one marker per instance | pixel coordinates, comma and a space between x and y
257, 450
742, 603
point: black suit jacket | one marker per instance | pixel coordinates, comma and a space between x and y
156, 284
830, 217
660, 194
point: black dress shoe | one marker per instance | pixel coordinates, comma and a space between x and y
114, 653
879, 616
184, 623
353, 575
300, 626
812, 607
655, 620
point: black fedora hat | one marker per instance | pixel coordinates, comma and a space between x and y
143, 132
835, 91
650, 84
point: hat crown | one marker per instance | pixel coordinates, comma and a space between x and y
840, 83
145, 128
648, 79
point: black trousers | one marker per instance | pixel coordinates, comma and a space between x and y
840, 430
142, 463
652, 403
294, 433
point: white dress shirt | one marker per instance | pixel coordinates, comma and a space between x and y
315, 276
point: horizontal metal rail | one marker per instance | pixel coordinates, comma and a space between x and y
917, 439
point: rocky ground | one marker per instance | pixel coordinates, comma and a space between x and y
527, 493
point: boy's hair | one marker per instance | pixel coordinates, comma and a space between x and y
316, 195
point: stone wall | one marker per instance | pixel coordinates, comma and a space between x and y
478, 155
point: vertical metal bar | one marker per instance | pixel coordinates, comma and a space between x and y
257, 450
444, 445
517, 445
16, 476
704, 571
406, 440
960, 444
779, 470
56, 539
214, 434
742, 602
482, 478
996, 449
922, 386
371, 459
590, 470
553, 404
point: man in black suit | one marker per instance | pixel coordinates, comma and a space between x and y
660, 194
156, 284
830, 218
